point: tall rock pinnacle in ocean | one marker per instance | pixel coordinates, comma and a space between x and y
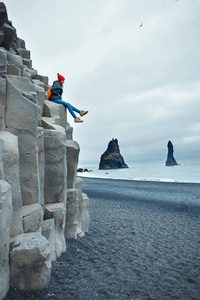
170, 158
111, 158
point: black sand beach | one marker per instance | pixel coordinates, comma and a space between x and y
143, 243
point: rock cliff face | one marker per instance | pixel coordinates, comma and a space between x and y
111, 158
41, 199
170, 158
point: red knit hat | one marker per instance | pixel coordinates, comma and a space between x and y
60, 77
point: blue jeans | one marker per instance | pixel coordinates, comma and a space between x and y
68, 105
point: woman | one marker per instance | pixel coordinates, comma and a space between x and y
56, 97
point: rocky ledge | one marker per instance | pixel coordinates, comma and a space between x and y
41, 199
111, 158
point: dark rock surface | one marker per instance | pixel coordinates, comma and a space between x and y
7, 31
170, 158
3, 14
111, 158
80, 170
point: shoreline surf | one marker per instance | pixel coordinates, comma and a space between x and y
138, 179
152, 172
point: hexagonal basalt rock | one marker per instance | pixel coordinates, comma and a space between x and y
30, 262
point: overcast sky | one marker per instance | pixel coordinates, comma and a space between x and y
134, 64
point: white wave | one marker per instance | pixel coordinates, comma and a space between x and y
186, 173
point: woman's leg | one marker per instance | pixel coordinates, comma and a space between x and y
69, 106
74, 108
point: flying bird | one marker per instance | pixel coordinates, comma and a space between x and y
141, 25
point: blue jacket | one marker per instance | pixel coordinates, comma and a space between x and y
56, 90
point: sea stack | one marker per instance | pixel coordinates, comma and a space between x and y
111, 158
170, 158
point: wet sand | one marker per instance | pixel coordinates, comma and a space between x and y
143, 243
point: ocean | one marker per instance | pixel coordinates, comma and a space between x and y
149, 171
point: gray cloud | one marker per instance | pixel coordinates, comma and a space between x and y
140, 84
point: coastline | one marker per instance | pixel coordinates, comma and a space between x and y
150, 171
138, 180
171, 195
